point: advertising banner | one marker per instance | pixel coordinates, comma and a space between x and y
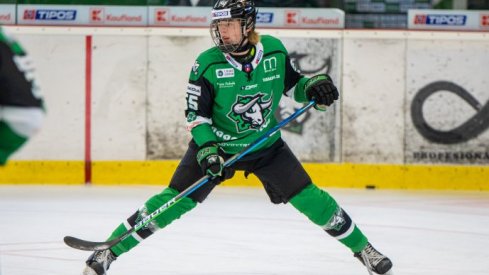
168, 16
7, 14
448, 20
117, 16
266, 17
448, 99
51, 15
82, 15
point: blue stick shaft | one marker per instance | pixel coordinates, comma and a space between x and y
227, 163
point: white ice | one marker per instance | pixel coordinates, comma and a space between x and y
237, 231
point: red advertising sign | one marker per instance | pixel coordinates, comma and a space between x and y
292, 17
96, 15
485, 20
162, 16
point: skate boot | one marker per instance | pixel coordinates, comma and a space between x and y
98, 263
374, 260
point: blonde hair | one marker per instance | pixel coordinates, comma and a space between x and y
253, 37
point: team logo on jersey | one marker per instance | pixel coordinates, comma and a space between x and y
195, 68
250, 112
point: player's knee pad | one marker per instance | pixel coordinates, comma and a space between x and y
315, 203
24, 121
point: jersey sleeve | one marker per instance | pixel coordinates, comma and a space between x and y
200, 96
294, 81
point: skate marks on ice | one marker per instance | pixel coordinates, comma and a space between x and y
237, 231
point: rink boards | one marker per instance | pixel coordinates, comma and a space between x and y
383, 176
115, 99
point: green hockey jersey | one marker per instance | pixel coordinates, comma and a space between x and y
11, 43
233, 104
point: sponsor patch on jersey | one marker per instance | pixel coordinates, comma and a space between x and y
271, 78
225, 73
193, 89
270, 64
259, 56
227, 84
249, 87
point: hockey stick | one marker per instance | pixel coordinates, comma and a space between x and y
96, 246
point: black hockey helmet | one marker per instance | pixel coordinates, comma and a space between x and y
233, 9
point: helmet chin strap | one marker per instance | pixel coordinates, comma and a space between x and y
244, 46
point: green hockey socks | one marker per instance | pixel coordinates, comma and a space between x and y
323, 210
9, 142
174, 212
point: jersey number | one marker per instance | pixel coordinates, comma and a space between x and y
192, 102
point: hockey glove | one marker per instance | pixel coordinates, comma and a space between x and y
211, 162
321, 89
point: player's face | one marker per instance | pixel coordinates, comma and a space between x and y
230, 31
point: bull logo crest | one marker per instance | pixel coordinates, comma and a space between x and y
250, 112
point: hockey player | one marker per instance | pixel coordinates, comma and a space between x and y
21, 111
233, 92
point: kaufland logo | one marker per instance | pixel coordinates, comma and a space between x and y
101, 15
163, 16
50, 15
97, 15
292, 17
485, 20
440, 19
295, 18
5, 17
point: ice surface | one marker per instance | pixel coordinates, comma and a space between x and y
237, 231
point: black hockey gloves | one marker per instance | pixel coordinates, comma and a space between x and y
211, 162
322, 90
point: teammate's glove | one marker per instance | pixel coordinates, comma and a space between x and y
321, 89
211, 162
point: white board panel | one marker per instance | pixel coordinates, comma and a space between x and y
119, 78
60, 62
448, 101
373, 100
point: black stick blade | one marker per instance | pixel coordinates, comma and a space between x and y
87, 245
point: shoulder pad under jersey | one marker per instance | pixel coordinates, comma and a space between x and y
272, 44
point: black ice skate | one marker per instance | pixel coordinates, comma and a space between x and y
374, 260
98, 263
